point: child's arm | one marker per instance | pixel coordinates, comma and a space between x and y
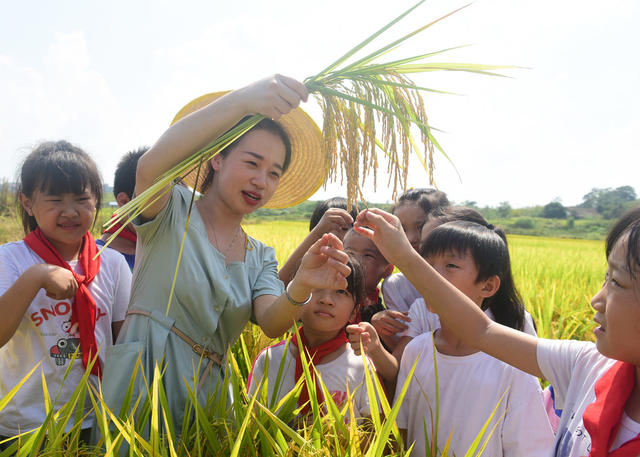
58, 282
323, 267
334, 220
399, 349
463, 316
385, 363
272, 97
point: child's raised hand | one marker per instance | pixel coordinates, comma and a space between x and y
336, 221
363, 333
272, 96
387, 322
324, 265
58, 282
385, 230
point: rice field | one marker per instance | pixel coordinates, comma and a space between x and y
556, 277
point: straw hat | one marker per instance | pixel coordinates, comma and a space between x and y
308, 167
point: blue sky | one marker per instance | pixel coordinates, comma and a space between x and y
110, 76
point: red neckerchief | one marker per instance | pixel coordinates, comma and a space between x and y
125, 233
373, 297
317, 354
602, 417
370, 300
83, 308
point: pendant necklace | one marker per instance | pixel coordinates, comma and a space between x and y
226, 251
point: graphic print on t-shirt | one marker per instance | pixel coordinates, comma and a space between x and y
55, 320
64, 350
567, 442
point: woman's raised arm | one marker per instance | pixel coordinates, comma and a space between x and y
272, 97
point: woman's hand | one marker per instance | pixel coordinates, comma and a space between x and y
322, 267
387, 322
385, 230
272, 96
336, 221
363, 333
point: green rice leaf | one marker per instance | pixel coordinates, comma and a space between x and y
368, 40
471, 452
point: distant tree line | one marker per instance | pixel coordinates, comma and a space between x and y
607, 203
610, 203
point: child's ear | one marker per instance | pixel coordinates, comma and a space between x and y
388, 270
122, 198
26, 204
490, 286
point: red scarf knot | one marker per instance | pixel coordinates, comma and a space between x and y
83, 308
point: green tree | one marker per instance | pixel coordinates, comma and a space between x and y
504, 209
554, 210
610, 203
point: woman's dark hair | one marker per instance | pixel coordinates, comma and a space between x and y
323, 206
491, 255
266, 124
125, 177
355, 281
57, 167
629, 224
427, 199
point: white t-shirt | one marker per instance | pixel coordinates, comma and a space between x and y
470, 387
628, 430
346, 370
399, 293
43, 336
572, 368
423, 320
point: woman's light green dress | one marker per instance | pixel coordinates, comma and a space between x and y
212, 304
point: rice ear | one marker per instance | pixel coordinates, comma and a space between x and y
368, 106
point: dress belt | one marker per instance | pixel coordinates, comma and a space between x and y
199, 349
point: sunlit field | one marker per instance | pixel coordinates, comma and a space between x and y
556, 277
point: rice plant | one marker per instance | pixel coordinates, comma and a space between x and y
250, 425
368, 106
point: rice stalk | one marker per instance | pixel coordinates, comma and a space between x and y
366, 104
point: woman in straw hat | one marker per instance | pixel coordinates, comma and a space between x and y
225, 277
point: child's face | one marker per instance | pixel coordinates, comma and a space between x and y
249, 175
329, 311
375, 266
617, 308
429, 226
459, 268
412, 218
64, 218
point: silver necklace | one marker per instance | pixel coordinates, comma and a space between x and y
226, 251
215, 237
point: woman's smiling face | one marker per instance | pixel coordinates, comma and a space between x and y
250, 173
